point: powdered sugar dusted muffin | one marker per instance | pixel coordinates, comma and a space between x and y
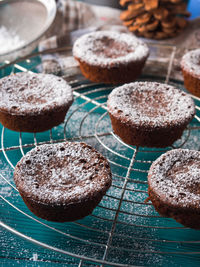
33, 102
149, 113
174, 186
190, 65
110, 57
62, 182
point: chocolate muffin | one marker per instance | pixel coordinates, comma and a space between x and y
149, 113
174, 186
110, 57
33, 102
62, 182
190, 65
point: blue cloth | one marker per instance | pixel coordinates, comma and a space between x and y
194, 8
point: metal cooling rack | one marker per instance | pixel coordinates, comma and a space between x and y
123, 230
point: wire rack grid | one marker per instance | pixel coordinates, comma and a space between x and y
123, 230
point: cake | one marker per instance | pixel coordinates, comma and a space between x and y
190, 65
110, 57
149, 113
33, 102
174, 186
62, 182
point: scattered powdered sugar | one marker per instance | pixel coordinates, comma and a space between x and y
62, 172
151, 104
109, 49
9, 40
35, 257
193, 142
24, 93
175, 177
191, 62
6, 174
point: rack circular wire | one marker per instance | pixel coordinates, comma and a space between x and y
123, 230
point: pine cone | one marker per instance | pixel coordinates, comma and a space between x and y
156, 19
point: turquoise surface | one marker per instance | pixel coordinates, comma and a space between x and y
139, 235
